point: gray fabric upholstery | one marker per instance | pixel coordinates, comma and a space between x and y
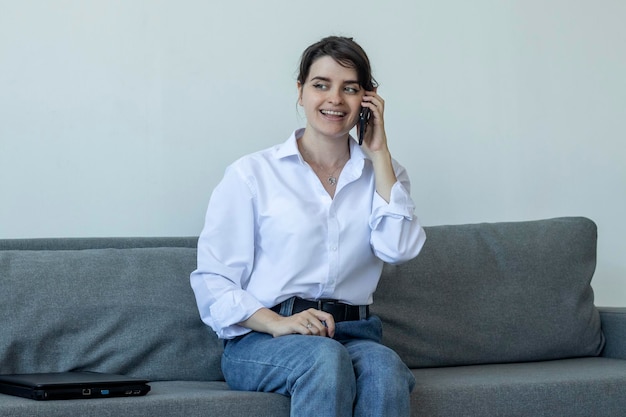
614, 329
494, 293
581, 387
128, 311
166, 399
77, 243
505, 292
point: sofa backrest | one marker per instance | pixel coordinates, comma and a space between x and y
494, 293
111, 305
483, 293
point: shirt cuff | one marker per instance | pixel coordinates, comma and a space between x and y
233, 308
400, 205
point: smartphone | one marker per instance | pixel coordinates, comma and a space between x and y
364, 118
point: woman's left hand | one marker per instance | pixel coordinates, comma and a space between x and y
375, 139
375, 145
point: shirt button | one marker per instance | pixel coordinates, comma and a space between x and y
333, 248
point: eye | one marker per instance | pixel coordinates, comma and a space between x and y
351, 90
320, 86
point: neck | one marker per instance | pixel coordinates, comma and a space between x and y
325, 152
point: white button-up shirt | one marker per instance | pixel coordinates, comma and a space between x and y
272, 232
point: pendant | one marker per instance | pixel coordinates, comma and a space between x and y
332, 181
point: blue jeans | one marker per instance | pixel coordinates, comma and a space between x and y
350, 375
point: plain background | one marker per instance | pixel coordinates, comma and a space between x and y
118, 117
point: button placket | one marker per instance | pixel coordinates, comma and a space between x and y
333, 248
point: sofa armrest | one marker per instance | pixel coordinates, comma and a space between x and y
614, 328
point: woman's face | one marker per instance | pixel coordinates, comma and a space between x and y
331, 97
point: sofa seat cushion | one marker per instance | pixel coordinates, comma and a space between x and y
569, 387
494, 293
167, 398
125, 310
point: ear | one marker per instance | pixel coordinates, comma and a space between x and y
299, 87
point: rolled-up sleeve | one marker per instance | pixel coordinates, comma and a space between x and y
225, 258
397, 235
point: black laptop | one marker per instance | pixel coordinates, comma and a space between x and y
72, 385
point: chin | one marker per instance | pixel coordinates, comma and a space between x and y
338, 135
334, 133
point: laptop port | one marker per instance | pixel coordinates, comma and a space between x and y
86, 391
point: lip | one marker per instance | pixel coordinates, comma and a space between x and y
333, 114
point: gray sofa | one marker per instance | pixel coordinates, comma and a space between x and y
494, 320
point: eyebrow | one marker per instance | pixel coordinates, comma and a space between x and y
325, 79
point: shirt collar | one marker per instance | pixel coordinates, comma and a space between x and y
290, 148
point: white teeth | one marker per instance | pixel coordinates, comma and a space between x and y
333, 113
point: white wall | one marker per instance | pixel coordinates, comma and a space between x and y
117, 118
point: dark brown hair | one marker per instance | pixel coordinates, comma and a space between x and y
346, 52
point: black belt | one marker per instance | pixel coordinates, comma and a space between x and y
339, 311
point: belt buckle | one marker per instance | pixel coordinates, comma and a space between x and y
331, 307
322, 301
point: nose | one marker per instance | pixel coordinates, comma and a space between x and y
335, 97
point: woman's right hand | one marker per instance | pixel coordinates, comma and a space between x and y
309, 322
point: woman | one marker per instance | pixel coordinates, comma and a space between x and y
293, 247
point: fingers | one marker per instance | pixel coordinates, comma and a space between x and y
374, 102
316, 323
375, 136
311, 322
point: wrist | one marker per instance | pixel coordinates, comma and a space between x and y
381, 157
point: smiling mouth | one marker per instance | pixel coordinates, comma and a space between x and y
332, 113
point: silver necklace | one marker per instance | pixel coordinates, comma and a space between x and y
331, 177
332, 180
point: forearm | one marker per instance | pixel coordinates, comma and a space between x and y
309, 322
263, 320
384, 174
